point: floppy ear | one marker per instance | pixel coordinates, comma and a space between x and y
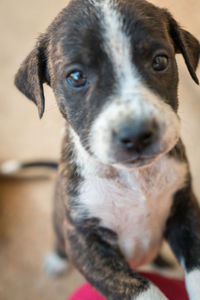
186, 44
33, 73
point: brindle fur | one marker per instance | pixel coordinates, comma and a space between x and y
93, 249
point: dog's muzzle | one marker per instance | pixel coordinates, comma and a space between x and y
134, 133
135, 141
134, 137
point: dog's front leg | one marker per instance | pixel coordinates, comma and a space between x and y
95, 253
183, 235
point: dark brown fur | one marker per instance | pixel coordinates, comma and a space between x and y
92, 249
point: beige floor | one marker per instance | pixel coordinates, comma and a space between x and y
25, 206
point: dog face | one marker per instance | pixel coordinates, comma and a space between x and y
112, 67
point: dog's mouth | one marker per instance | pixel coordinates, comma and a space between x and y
140, 161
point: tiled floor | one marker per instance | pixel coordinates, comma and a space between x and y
25, 206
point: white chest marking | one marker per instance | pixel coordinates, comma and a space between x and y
135, 204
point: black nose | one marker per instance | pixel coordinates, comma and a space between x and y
135, 136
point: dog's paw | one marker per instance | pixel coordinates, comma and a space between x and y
193, 284
55, 265
153, 293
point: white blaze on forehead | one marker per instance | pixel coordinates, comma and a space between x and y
130, 86
117, 45
116, 42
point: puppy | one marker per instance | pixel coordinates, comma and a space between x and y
124, 182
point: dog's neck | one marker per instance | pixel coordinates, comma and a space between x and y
122, 198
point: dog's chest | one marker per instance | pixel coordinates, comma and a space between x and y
135, 205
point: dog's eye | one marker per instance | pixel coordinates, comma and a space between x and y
77, 79
160, 63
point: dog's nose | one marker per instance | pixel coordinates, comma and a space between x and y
135, 136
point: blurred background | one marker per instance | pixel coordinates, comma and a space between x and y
25, 205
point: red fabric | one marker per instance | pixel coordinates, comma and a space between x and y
173, 289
